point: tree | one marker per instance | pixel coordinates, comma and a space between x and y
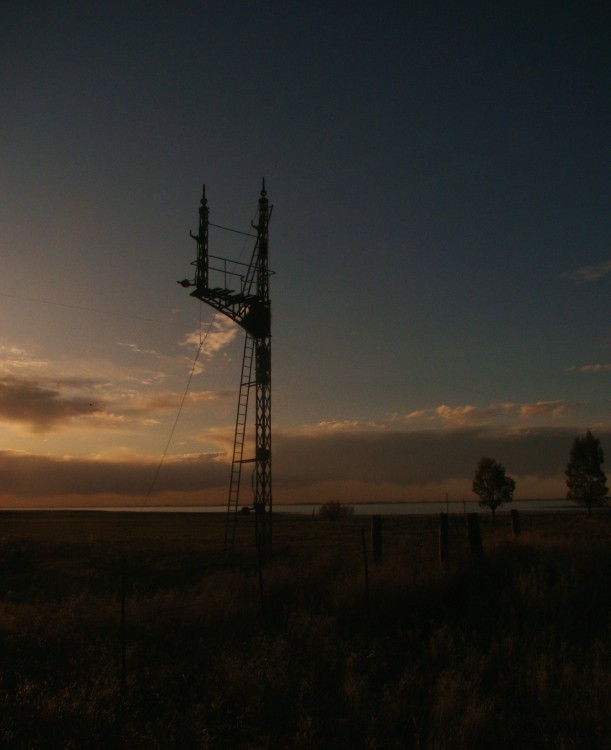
586, 481
492, 485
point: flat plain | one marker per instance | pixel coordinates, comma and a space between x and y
140, 630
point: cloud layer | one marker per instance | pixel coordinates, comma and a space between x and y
38, 476
419, 457
41, 405
319, 464
411, 456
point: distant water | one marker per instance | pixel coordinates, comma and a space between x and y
430, 507
360, 509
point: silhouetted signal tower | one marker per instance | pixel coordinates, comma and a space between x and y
242, 295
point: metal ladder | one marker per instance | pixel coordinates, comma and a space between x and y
238, 442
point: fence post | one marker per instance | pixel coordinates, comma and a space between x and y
444, 538
474, 534
260, 558
366, 564
376, 540
123, 626
516, 526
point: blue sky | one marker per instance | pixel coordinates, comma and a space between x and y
440, 236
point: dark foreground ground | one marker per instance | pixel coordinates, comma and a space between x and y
187, 646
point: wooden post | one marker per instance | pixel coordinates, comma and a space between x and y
366, 564
515, 522
260, 558
376, 540
444, 538
474, 533
123, 627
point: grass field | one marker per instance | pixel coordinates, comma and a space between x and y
510, 650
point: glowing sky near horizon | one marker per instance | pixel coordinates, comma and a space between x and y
440, 235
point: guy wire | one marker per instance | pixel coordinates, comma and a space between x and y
202, 341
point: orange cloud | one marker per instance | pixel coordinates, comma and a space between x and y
590, 368
461, 416
589, 273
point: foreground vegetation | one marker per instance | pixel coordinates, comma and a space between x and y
508, 650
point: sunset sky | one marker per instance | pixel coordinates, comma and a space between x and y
441, 182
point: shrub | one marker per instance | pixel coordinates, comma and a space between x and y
334, 509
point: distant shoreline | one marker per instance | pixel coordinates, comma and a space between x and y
428, 507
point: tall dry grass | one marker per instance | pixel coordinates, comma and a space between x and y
511, 650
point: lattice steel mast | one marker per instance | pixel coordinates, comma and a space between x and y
250, 307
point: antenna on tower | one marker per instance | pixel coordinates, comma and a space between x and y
243, 296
